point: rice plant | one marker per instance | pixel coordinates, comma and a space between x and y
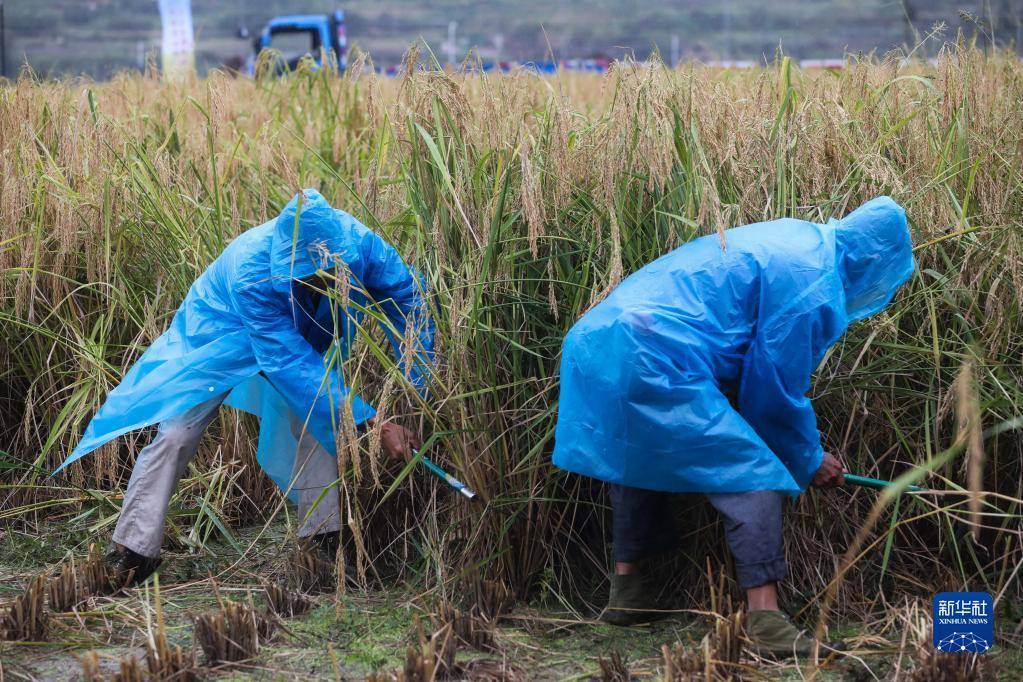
524, 200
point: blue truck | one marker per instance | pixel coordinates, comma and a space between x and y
301, 35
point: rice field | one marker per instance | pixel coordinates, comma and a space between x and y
524, 200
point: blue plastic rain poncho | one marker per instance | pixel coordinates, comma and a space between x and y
247, 326
692, 375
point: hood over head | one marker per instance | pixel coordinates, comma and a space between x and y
308, 235
875, 255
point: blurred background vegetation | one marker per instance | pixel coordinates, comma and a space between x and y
101, 37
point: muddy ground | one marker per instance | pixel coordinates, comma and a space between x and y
361, 632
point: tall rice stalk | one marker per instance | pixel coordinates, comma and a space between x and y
524, 200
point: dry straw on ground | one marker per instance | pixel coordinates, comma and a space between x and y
614, 668
128, 669
492, 599
285, 603
77, 580
64, 590
433, 657
310, 572
469, 629
718, 656
91, 668
233, 633
26, 618
166, 661
524, 200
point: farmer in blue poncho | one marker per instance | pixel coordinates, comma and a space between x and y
258, 332
692, 377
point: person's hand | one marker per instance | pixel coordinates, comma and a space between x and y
398, 442
830, 474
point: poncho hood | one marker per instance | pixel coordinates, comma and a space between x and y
874, 255
308, 236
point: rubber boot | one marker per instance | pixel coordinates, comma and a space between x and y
629, 602
772, 634
129, 568
325, 545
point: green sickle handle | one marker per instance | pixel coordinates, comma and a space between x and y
865, 482
446, 477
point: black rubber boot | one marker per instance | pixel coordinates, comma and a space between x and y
324, 544
629, 602
129, 568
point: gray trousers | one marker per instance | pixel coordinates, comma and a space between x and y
643, 524
164, 461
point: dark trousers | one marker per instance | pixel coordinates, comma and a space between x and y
644, 525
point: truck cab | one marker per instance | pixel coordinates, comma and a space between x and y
302, 35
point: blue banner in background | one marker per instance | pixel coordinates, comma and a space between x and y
964, 622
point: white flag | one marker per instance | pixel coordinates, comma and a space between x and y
178, 39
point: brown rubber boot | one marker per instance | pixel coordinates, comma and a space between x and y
771, 633
629, 602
